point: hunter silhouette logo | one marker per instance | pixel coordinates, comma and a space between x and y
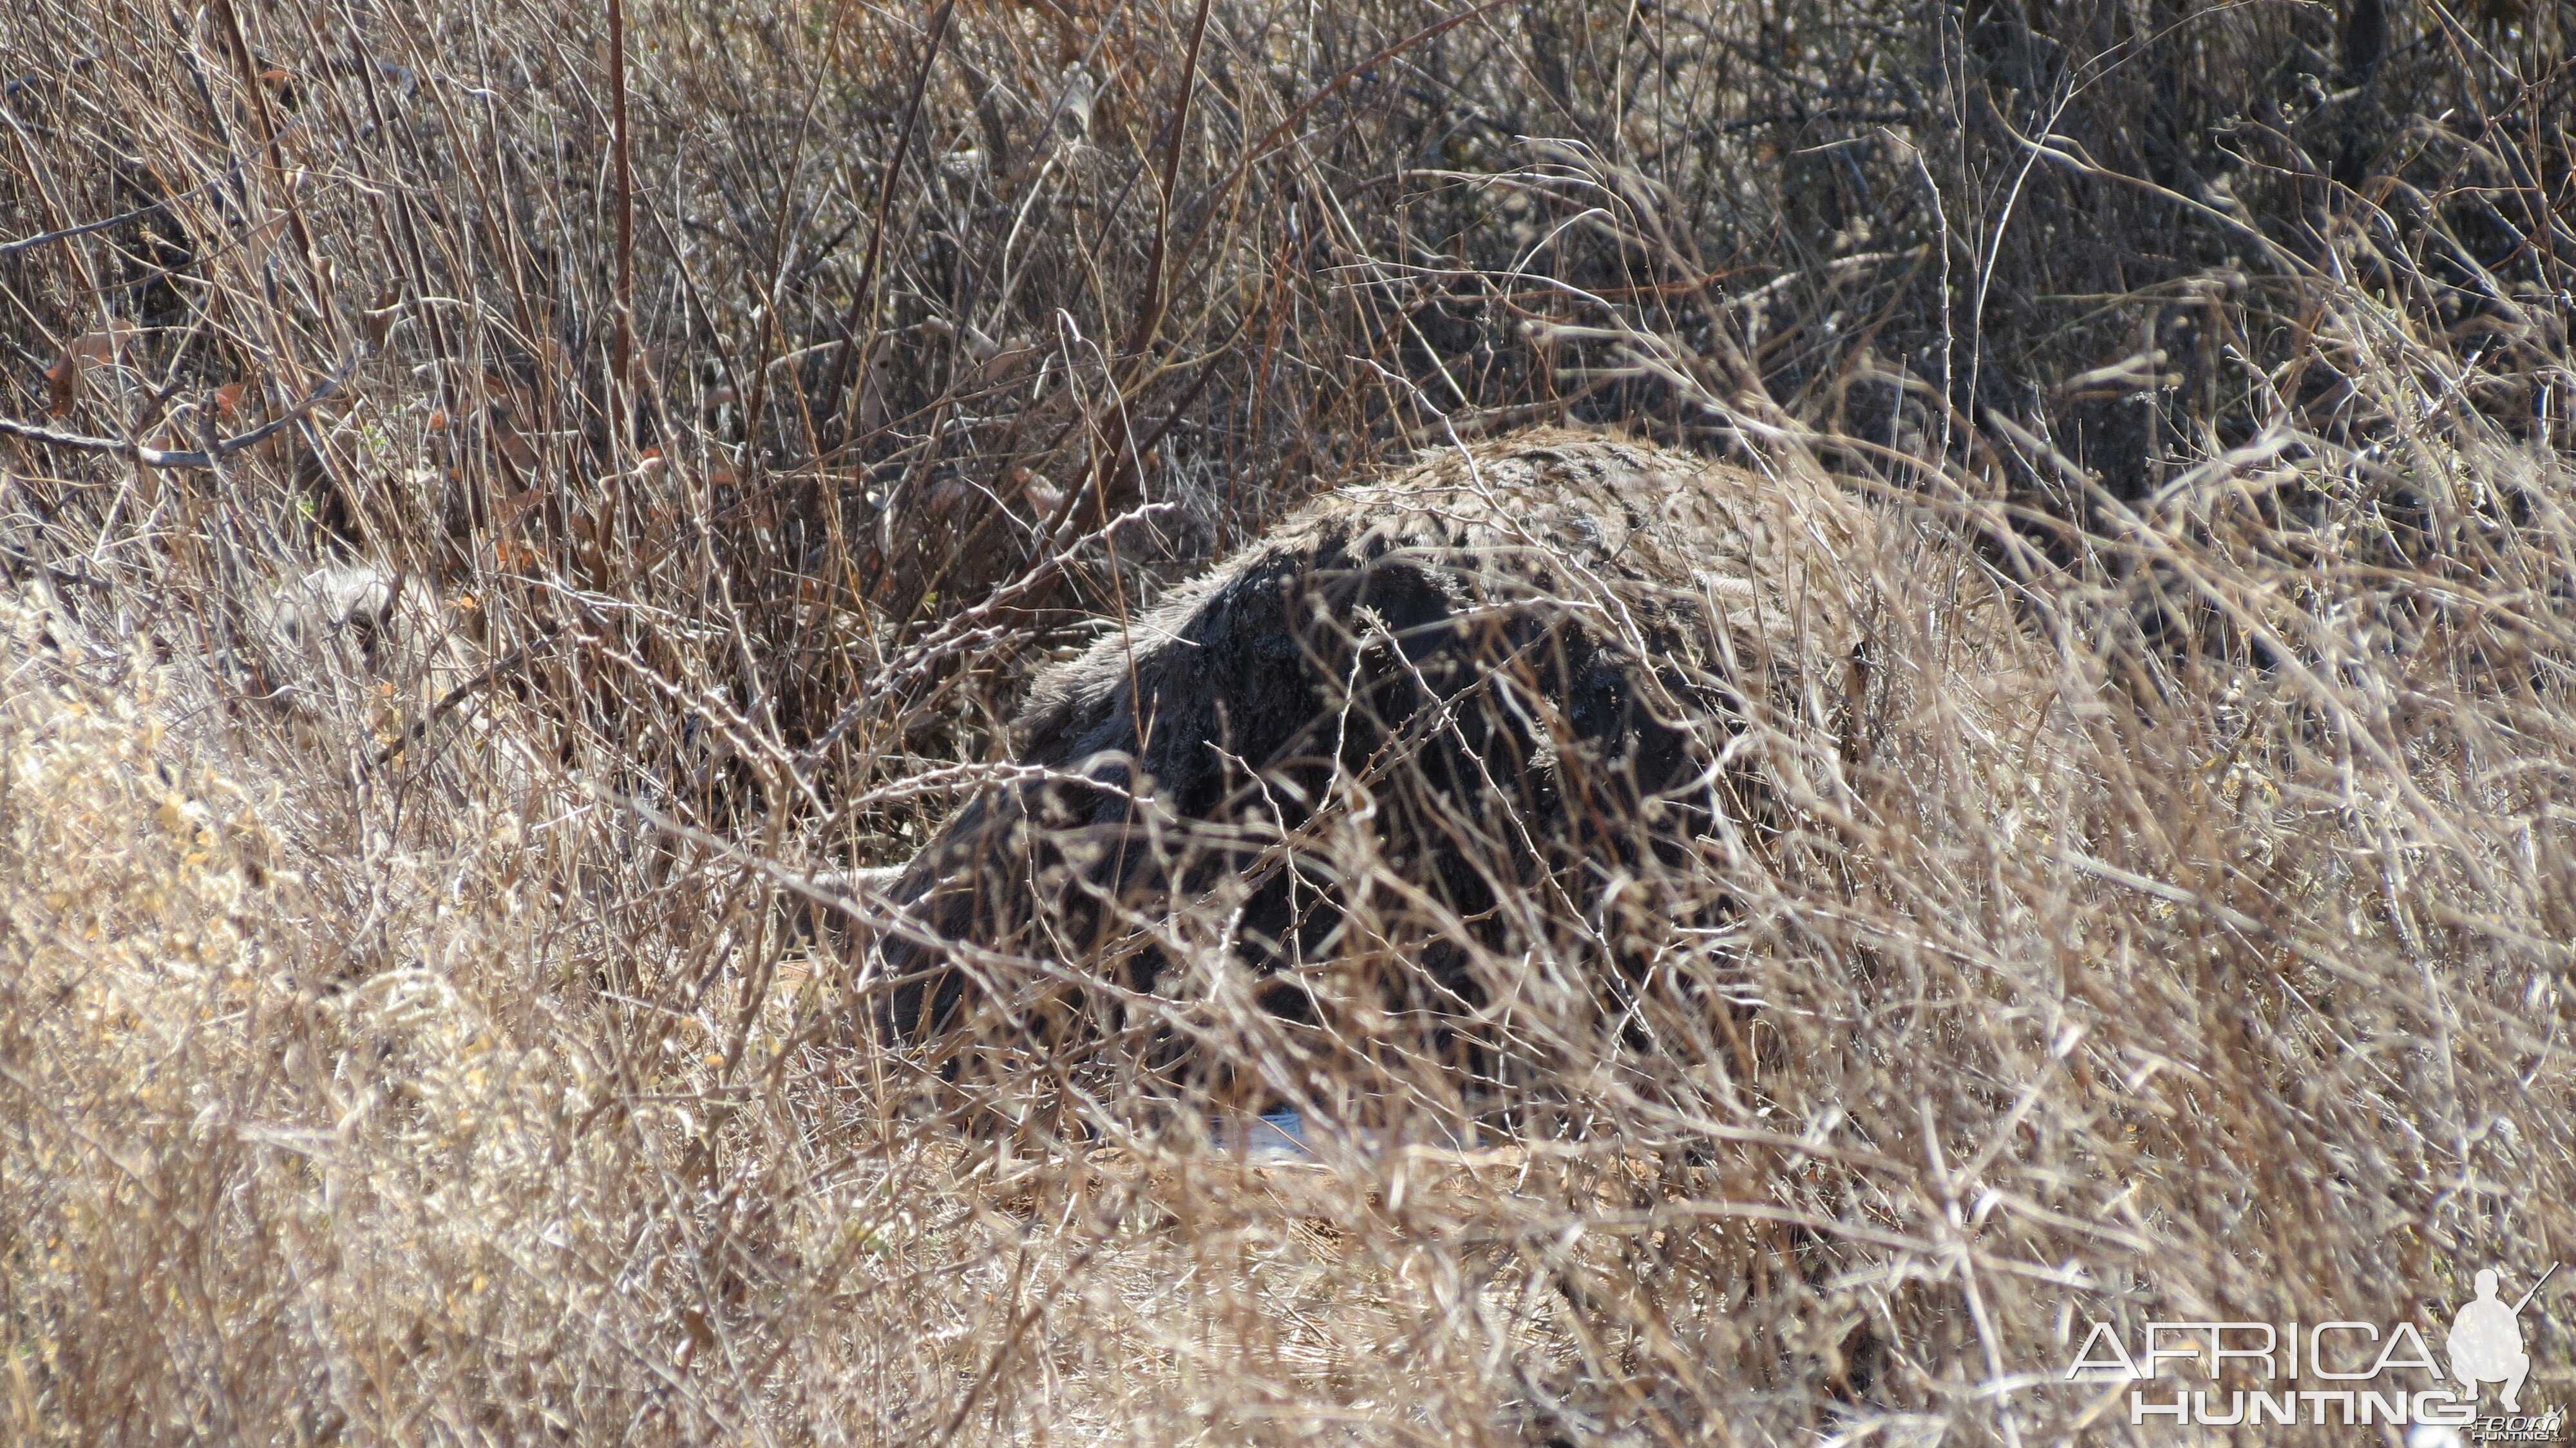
2486, 1339
2249, 1374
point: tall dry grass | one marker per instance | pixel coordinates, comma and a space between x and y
406, 1037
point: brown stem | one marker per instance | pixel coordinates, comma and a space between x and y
1150, 321
859, 300
625, 357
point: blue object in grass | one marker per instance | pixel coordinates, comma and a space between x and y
1281, 1134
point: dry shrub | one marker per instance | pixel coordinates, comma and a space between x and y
416, 1043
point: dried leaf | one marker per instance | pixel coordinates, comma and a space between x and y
90, 349
512, 509
513, 447
380, 318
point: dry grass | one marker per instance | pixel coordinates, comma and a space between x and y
403, 1040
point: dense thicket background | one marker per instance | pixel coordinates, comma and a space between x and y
401, 1037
